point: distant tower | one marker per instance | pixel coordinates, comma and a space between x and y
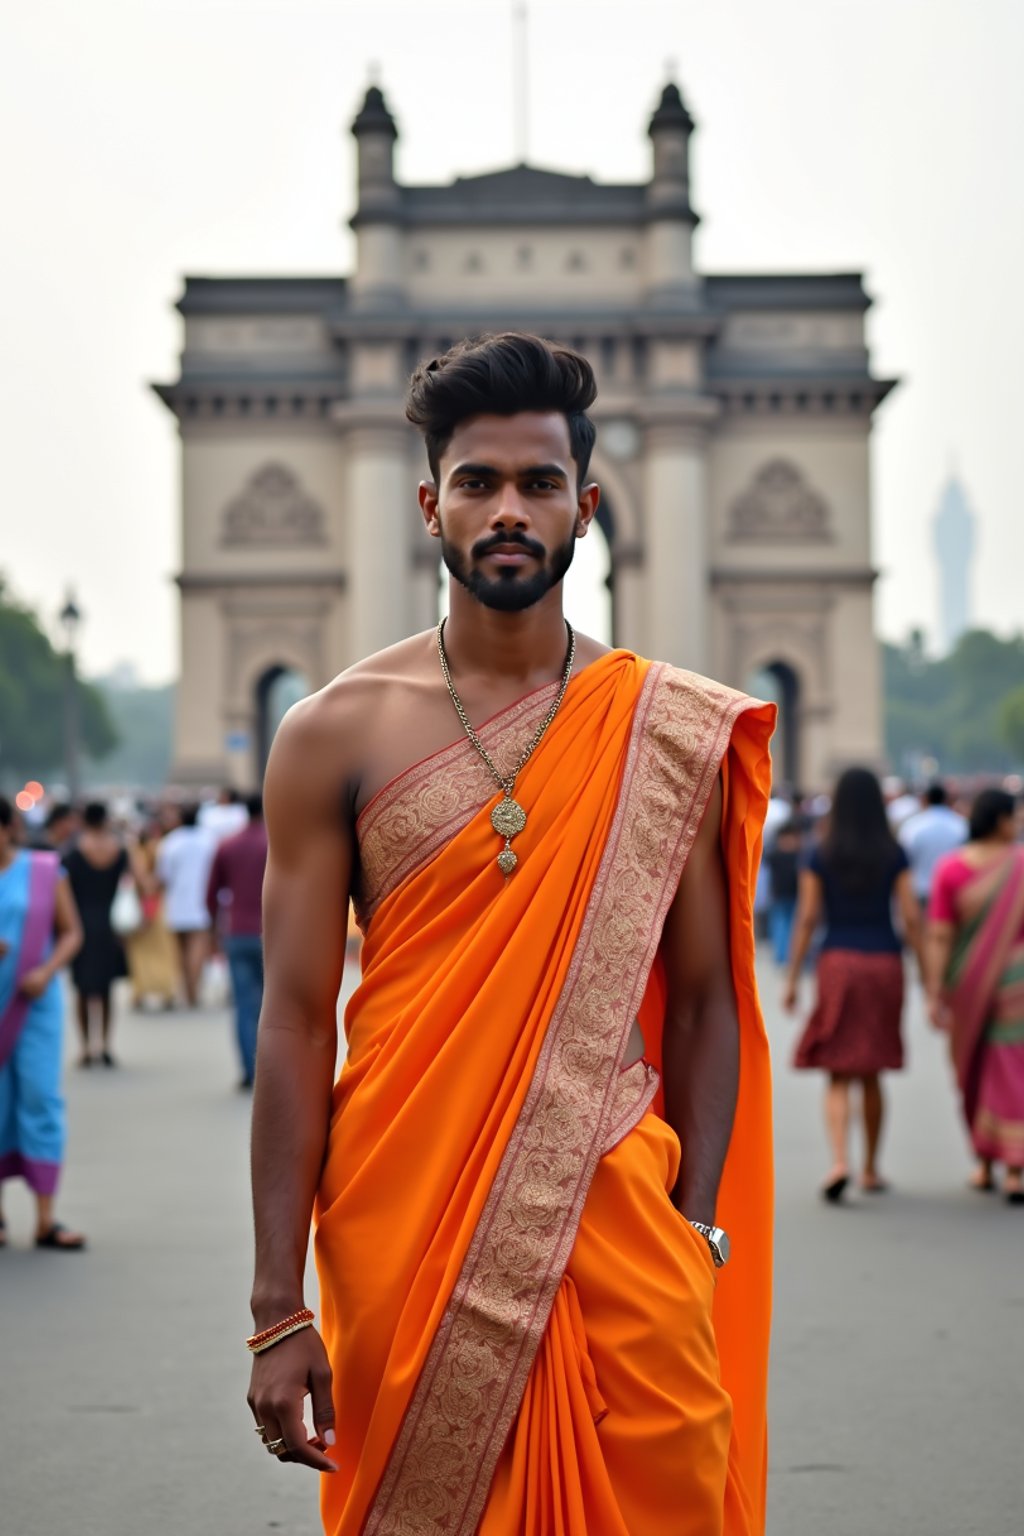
954, 546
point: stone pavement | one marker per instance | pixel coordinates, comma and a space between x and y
896, 1374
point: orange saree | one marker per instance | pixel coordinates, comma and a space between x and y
525, 1334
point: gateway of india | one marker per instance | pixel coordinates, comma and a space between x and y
733, 425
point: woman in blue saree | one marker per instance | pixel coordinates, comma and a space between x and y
39, 933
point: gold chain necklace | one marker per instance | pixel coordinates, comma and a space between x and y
508, 817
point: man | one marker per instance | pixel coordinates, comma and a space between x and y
224, 816
557, 990
183, 869
233, 900
927, 836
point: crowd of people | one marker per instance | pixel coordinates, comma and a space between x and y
153, 897
851, 885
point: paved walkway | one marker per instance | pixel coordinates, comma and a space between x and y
897, 1366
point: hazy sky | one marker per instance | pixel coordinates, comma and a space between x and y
148, 138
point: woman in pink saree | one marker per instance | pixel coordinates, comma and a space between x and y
975, 982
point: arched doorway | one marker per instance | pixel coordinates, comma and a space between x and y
589, 585
778, 682
277, 689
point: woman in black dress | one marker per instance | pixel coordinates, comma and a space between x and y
95, 868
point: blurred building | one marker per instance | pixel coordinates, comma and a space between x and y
953, 532
733, 446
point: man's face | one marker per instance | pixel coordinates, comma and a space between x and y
507, 509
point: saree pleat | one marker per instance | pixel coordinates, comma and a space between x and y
450, 1035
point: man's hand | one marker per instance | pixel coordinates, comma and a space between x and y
35, 982
790, 996
282, 1376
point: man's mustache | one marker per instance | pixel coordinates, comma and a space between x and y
484, 547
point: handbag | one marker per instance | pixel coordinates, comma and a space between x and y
126, 916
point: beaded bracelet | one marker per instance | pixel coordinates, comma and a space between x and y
294, 1323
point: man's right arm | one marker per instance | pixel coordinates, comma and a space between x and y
305, 905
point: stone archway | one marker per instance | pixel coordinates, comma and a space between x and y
277, 688
780, 682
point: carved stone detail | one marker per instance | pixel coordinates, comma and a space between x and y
274, 510
780, 505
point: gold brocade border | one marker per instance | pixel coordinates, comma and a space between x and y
420, 811
442, 1463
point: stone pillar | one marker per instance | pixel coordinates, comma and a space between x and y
676, 554
378, 493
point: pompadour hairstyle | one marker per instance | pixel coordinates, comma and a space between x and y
501, 376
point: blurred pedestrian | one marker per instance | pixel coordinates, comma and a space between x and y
234, 899
153, 962
974, 979
61, 826
783, 864
927, 836
852, 877
39, 933
225, 815
183, 869
96, 865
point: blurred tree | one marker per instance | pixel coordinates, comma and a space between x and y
950, 708
144, 721
33, 677
1011, 722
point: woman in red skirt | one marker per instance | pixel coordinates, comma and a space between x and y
851, 882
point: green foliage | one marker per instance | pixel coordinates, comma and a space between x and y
953, 709
33, 679
144, 721
1011, 722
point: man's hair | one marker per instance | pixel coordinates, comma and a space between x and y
6, 812
95, 815
254, 805
936, 794
502, 376
59, 811
189, 814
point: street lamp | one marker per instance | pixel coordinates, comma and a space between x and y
70, 618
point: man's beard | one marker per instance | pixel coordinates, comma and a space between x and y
511, 592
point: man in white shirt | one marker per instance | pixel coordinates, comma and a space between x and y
183, 869
224, 816
928, 835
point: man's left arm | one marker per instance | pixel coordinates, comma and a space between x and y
700, 1056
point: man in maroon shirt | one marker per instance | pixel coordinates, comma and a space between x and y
234, 897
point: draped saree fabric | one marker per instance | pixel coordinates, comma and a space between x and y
525, 1334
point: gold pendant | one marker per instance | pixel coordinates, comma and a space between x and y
508, 817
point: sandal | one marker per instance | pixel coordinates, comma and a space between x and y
834, 1191
60, 1238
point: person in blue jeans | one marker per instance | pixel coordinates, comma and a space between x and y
783, 864
234, 898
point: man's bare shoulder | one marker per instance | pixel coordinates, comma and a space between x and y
329, 733
348, 699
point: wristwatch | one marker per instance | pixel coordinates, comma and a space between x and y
717, 1241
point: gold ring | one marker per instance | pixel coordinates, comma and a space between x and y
274, 1446
261, 1430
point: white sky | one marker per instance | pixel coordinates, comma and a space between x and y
148, 138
